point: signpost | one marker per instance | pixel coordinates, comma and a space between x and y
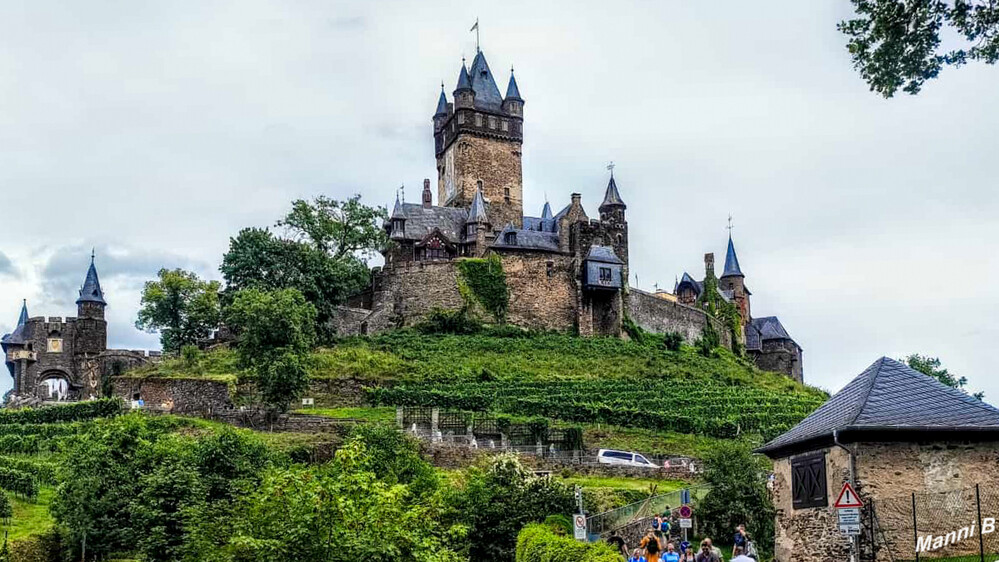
686, 522
579, 526
848, 506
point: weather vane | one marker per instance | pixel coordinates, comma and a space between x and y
475, 28
730, 227
611, 168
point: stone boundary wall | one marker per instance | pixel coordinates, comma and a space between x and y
286, 423
174, 395
349, 321
661, 316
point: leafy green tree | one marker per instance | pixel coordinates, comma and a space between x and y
931, 366
897, 43
494, 505
275, 334
259, 260
182, 307
338, 228
738, 495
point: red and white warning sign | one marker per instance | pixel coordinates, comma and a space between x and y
848, 498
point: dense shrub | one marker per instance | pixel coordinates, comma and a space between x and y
80, 411
672, 341
443, 321
738, 495
542, 543
17, 482
19, 444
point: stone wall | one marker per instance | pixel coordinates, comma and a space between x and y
809, 535
176, 396
497, 164
942, 474
542, 292
349, 321
779, 356
661, 316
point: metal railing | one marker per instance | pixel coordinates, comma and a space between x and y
608, 521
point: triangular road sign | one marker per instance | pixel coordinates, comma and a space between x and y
848, 497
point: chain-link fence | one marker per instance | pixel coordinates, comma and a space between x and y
607, 521
956, 526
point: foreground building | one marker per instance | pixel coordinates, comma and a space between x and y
57, 359
915, 450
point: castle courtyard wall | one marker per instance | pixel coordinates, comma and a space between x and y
542, 292
662, 316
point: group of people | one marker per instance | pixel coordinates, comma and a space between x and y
657, 546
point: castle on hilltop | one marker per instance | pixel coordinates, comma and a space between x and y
59, 359
564, 270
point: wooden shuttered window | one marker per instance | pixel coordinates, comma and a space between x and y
808, 481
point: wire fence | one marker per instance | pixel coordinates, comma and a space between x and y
956, 526
655, 505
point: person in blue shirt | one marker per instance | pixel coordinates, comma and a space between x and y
671, 555
637, 556
741, 538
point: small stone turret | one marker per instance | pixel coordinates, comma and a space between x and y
512, 102
91, 302
397, 221
440, 115
733, 280
464, 95
428, 197
91, 335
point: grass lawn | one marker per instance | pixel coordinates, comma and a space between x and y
621, 483
383, 414
31, 518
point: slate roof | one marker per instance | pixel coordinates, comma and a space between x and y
464, 82
731, 261
603, 254
546, 212
889, 396
477, 212
512, 92
23, 318
441, 103
420, 221
764, 329
487, 95
91, 291
17, 336
527, 240
611, 197
688, 280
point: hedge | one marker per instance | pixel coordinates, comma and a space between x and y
540, 543
80, 411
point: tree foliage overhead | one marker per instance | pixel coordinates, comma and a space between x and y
896, 44
338, 228
182, 307
931, 366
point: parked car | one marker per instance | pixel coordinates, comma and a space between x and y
624, 458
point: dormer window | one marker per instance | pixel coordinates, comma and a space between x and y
510, 238
397, 225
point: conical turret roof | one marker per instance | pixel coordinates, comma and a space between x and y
512, 92
464, 81
91, 291
23, 318
487, 95
397, 212
731, 261
477, 213
612, 198
441, 103
546, 213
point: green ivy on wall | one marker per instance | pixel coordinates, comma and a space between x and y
723, 310
484, 281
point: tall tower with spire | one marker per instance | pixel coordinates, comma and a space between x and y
91, 327
477, 140
733, 280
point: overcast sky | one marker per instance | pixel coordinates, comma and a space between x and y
154, 131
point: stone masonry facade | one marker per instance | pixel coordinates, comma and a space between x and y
565, 270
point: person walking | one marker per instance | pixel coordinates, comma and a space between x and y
670, 555
652, 546
707, 553
657, 523
618, 543
637, 556
741, 538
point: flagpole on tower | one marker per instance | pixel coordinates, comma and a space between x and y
475, 28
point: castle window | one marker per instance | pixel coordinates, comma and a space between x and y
492, 122
479, 184
461, 118
478, 120
505, 125
506, 194
550, 268
510, 238
808, 481
471, 229
605, 276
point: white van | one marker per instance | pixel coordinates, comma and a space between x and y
623, 458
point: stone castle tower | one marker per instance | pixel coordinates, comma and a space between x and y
477, 141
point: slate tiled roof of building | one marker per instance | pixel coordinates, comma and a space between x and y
464, 82
91, 291
890, 396
527, 240
477, 212
763, 329
420, 221
603, 254
612, 197
441, 103
487, 94
17, 336
512, 91
731, 261
688, 280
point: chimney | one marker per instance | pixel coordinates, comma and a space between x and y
427, 197
576, 199
709, 264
